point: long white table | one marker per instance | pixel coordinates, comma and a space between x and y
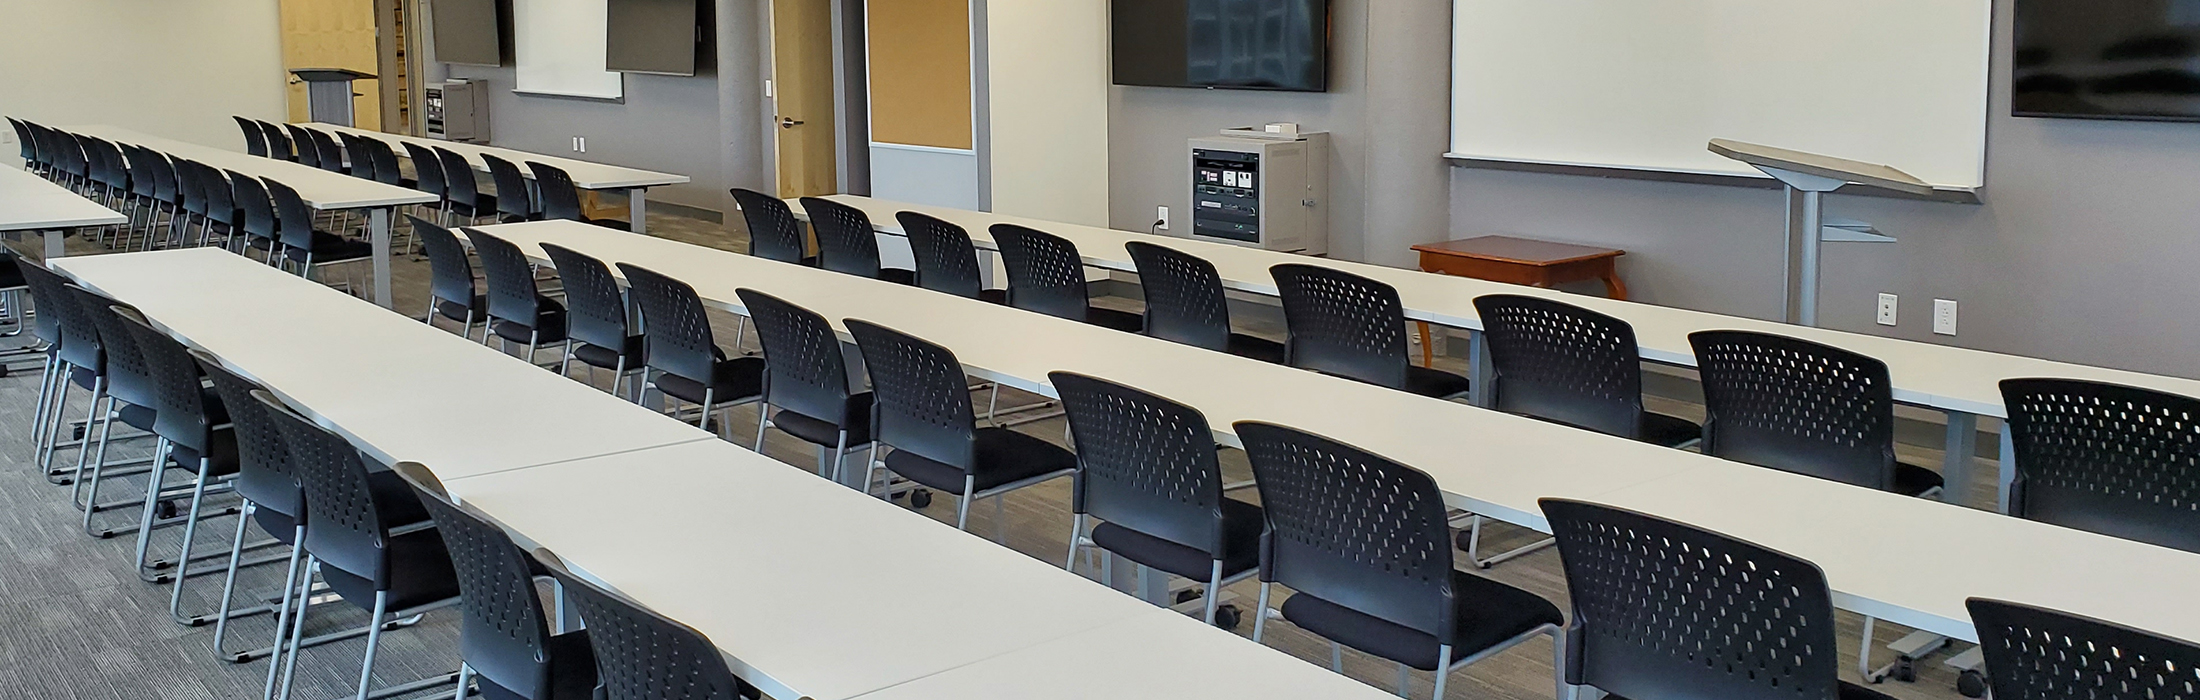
586, 175
1961, 382
31, 203
322, 189
1492, 463
398, 388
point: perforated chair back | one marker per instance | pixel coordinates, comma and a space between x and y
293, 218
640, 654
1143, 462
450, 273
1340, 323
920, 395
129, 378
344, 527
142, 166
180, 412
357, 163
258, 208
2034, 653
511, 281
191, 186
386, 170
332, 155
427, 169
107, 167
774, 234
595, 310
1352, 528
2116, 460
673, 320
26, 144
946, 259
1563, 363
57, 321
504, 635
255, 143
43, 284
263, 459
458, 177
163, 172
221, 205
1667, 610
309, 153
846, 242
560, 199
1045, 273
804, 371
1184, 298
278, 143
513, 201
1797, 406
72, 160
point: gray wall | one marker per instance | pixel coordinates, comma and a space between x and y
661, 126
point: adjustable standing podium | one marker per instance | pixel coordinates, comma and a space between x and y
1812, 176
328, 93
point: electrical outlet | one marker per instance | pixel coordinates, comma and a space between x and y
767, 88
1886, 309
580, 144
1163, 217
1944, 316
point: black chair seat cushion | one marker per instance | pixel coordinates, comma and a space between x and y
484, 204
993, 296
898, 275
733, 380
1914, 480
1434, 382
636, 353
278, 524
572, 662
1250, 347
549, 324
1668, 431
1241, 526
609, 223
222, 453
329, 248
419, 573
1118, 320
141, 417
82, 377
1847, 691
458, 312
11, 277
1003, 456
1488, 614
825, 433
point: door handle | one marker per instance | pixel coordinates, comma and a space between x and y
788, 122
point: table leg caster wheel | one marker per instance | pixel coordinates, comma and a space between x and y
1905, 670
1971, 684
76, 433
1227, 617
920, 499
164, 510
1187, 595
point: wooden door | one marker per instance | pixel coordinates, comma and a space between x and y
334, 34
802, 72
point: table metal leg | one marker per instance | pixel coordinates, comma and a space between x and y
54, 239
1481, 372
1962, 450
1149, 585
2008, 470
378, 229
637, 206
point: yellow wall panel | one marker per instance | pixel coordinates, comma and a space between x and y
920, 72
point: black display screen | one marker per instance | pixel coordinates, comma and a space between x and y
2107, 59
1233, 44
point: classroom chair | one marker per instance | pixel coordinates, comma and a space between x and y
386, 169
1146, 469
1185, 303
2034, 653
686, 359
1046, 275
278, 143
1667, 611
504, 638
774, 234
513, 202
124, 390
462, 194
641, 654
26, 144
269, 496
73, 357
222, 217
2116, 460
451, 291
191, 204
255, 142
1364, 544
806, 378
144, 167
196, 433
331, 154
847, 243
305, 246
599, 332
946, 259
428, 178
1803, 407
309, 154
1568, 365
518, 310
1350, 326
560, 198
922, 415
256, 212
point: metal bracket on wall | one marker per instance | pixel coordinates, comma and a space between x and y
1851, 231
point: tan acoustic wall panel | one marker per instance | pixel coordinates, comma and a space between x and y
333, 34
920, 72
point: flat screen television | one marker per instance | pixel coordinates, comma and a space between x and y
2107, 59
467, 31
652, 36
1222, 44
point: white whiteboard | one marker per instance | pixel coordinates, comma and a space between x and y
1644, 84
561, 47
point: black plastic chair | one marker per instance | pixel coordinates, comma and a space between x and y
305, 246
195, 432
2034, 653
513, 201
167, 192
332, 155
309, 154
222, 217
642, 655
1665, 610
1185, 303
428, 177
451, 290
463, 195
1343, 324
598, 331
806, 378
255, 142
191, 205
1802, 407
386, 169
256, 212
265, 483
1046, 275
359, 537
847, 243
357, 163
26, 144
688, 363
1572, 366
922, 414
560, 198
946, 259
1365, 544
774, 233
73, 357
124, 389
1146, 467
278, 143
518, 311
505, 639
2117, 460
144, 193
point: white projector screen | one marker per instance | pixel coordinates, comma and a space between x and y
1645, 84
560, 49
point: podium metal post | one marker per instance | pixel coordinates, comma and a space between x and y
328, 93
1811, 176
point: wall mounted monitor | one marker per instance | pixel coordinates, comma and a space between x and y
1222, 44
2107, 59
467, 31
653, 36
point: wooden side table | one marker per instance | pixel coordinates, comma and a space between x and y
1520, 261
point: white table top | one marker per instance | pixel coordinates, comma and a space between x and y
1924, 374
31, 203
395, 387
322, 189
586, 175
1153, 657
1484, 461
812, 589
